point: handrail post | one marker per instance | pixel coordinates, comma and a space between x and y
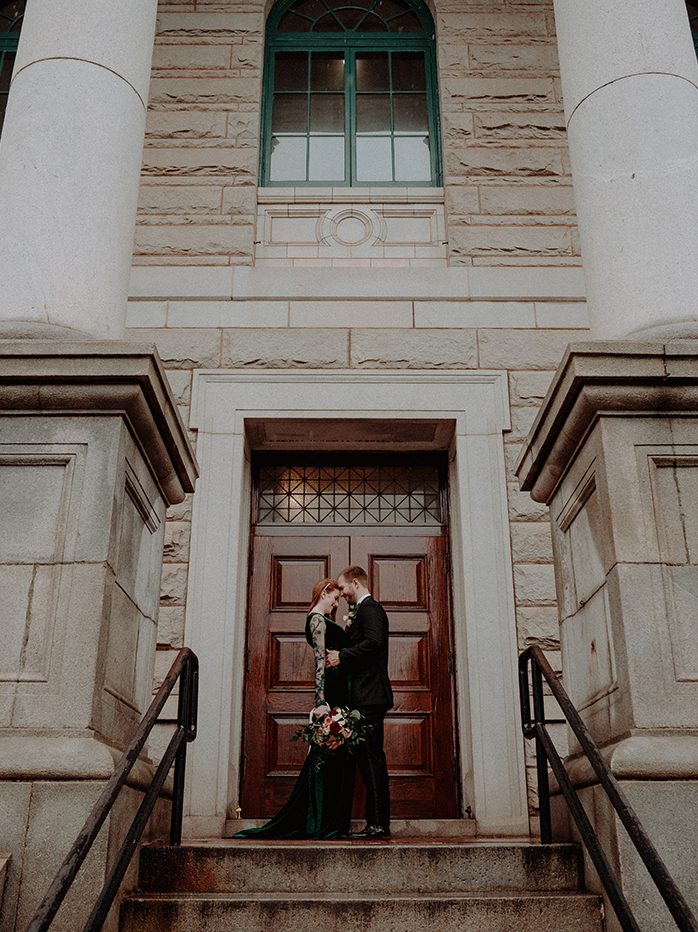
184, 709
544, 816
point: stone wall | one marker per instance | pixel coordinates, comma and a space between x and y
507, 200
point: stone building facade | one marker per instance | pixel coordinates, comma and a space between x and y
422, 322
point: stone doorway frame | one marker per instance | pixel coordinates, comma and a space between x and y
471, 407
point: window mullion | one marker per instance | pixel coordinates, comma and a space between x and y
307, 116
392, 114
350, 116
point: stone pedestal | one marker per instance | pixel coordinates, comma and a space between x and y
614, 453
91, 454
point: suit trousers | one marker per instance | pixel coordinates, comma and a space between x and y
373, 767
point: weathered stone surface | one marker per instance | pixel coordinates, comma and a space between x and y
176, 549
239, 199
538, 58
482, 240
220, 239
181, 511
466, 25
185, 124
283, 348
498, 90
216, 90
538, 625
493, 160
534, 584
247, 57
173, 586
171, 625
179, 199
190, 57
415, 349
529, 388
521, 420
243, 129
457, 128
527, 199
531, 542
531, 124
512, 451
522, 507
191, 160
184, 349
210, 24
180, 383
524, 349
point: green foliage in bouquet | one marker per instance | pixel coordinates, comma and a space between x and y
331, 729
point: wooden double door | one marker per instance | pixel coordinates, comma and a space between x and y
408, 575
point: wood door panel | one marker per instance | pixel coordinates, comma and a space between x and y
407, 576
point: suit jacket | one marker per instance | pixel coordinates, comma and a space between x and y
366, 656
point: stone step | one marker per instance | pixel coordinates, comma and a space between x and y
400, 828
379, 867
339, 912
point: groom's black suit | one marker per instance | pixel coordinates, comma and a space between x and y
366, 659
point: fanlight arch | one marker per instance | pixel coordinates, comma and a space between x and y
350, 94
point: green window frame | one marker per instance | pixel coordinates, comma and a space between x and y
321, 58
11, 15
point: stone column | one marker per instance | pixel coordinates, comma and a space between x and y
70, 159
630, 87
92, 451
614, 453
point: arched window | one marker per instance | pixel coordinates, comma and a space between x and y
11, 14
692, 7
350, 94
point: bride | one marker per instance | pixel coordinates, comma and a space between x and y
320, 803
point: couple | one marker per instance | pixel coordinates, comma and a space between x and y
351, 669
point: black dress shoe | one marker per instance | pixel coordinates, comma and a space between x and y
371, 831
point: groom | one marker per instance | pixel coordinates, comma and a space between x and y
366, 659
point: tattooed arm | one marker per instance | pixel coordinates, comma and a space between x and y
317, 631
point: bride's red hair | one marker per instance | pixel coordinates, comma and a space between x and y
319, 588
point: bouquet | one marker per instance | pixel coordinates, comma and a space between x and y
330, 729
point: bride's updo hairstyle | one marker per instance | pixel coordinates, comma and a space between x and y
318, 591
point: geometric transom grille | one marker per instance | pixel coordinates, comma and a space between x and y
386, 495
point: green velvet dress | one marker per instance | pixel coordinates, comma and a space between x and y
320, 804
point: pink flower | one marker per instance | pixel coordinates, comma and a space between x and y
321, 710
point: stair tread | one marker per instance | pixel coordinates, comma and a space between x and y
355, 897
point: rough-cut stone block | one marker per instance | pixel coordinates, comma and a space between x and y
510, 241
247, 57
466, 25
185, 124
210, 24
525, 349
498, 90
220, 239
531, 124
176, 549
218, 90
512, 452
538, 625
527, 199
185, 349
457, 128
413, 349
461, 200
239, 199
534, 584
522, 507
179, 199
285, 348
180, 383
181, 511
529, 388
171, 625
190, 57
531, 542
173, 586
243, 129
193, 160
521, 420
538, 58
494, 160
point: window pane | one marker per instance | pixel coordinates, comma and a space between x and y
327, 71
327, 158
373, 24
408, 22
412, 158
372, 71
410, 113
326, 113
310, 8
289, 113
373, 113
328, 23
373, 159
291, 71
408, 71
287, 158
388, 8
289, 22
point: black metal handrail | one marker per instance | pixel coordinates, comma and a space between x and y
186, 667
533, 659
